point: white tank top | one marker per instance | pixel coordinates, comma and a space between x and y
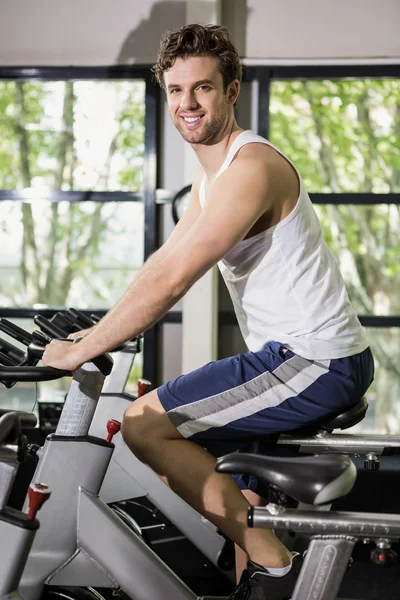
286, 285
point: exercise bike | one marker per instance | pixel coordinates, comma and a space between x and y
315, 481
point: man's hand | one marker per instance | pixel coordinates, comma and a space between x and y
62, 355
80, 334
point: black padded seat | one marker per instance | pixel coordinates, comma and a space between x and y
309, 479
27, 420
349, 418
340, 420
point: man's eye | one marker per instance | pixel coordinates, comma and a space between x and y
205, 87
174, 90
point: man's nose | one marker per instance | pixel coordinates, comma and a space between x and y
188, 100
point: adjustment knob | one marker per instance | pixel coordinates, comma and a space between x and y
371, 462
38, 493
383, 556
144, 386
112, 427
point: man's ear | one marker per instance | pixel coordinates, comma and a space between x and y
233, 91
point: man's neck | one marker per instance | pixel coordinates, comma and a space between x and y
212, 156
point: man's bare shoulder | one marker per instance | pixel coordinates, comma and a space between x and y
270, 163
261, 153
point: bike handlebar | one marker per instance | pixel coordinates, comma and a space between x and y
15, 332
27, 420
104, 362
28, 373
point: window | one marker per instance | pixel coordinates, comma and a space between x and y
77, 188
344, 134
341, 128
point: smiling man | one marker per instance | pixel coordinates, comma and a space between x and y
249, 213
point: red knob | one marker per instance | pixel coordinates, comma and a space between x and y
38, 493
112, 427
143, 387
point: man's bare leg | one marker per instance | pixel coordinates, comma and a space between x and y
190, 472
241, 557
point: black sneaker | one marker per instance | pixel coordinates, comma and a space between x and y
257, 584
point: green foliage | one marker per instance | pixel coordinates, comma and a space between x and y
81, 135
344, 136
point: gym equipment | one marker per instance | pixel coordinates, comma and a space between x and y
180, 202
127, 477
82, 542
315, 481
77, 563
320, 438
17, 529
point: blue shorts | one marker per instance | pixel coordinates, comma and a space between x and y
234, 403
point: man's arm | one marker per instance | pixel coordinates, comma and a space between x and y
190, 215
236, 201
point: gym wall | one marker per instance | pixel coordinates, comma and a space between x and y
316, 29
102, 32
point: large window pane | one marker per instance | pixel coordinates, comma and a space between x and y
383, 415
72, 135
68, 254
366, 243
343, 135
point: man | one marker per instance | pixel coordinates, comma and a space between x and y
248, 212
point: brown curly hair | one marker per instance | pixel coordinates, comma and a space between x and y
198, 40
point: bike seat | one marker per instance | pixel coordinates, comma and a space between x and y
343, 420
339, 420
310, 479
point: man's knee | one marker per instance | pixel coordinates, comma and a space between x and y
131, 432
145, 422
135, 426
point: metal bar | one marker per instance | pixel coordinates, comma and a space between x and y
359, 525
150, 175
342, 443
263, 104
322, 71
32, 195
75, 73
323, 569
29, 313
130, 561
337, 72
380, 321
366, 199
228, 317
15, 544
173, 316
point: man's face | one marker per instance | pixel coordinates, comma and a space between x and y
198, 105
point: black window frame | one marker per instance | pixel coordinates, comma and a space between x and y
150, 172
264, 75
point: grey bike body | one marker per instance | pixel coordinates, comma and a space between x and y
81, 541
